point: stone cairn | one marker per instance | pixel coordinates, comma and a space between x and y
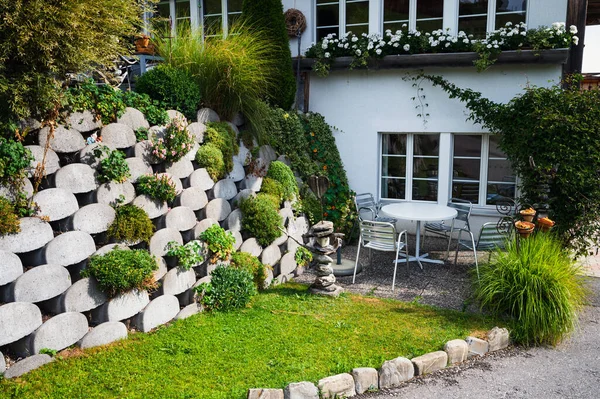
324, 242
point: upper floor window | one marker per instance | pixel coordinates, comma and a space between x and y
342, 16
510, 11
424, 15
478, 17
220, 15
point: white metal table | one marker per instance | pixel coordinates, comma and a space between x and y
419, 212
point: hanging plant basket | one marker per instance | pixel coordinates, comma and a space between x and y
545, 224
528, 214
524, 228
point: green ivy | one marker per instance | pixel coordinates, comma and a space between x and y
131, 225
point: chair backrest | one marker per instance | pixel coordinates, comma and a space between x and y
365, 202
379, 232
490, 238
463, 209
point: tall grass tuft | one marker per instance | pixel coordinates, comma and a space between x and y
539, 287
234, 72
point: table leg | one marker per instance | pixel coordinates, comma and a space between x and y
418, 249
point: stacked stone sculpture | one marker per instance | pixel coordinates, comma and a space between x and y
321, 236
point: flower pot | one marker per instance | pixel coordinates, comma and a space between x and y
143, 45
545, 224
528, 214
524, 228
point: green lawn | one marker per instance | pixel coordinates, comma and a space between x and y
288, 335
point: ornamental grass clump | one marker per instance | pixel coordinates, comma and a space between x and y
261, 219
121, 270
538, 286
157, 187
131, 225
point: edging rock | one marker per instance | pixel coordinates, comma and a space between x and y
430, 362
301, 390
26, 365
394, 372
340, 385
104, 334
265, 393
497, 338
365, 378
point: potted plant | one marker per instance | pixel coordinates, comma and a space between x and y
528, 214
545, 224
142, 44
524, 228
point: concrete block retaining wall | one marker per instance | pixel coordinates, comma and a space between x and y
44, 303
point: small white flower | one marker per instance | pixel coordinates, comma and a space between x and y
378, 51
324, 46
404, 25
358, 52
327, 55
523, 33
434, 43
346, 45
442, 38
496, 46
575, 40
406, 47
573, 29
354, 39
448, 44
417, 33
396, 44
509, 23
466, 41
370, 46
489, 46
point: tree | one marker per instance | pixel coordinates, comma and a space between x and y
267, 15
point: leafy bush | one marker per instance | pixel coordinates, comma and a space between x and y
173, 88
113, 167
268, 15
210, 157
121, 270
261, 218
152, 110
250, 263
538, 286
188, 255
9, 221
284, 175
229, 289
14, 158
223, 136
220, 242
141, 134
106, 102
160, 188
272, 187
176, 142
310, 205
131, 225
303, 256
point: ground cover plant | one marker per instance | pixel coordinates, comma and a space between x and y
176, 142
219, 242
210, 157
249, 262
188, 255
9, 221
261, 218
229, 288
282, 173
131, 225
113, 167
160, 188
221, 355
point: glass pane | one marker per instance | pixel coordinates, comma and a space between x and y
466, 169
473, 25
328, 15
231, 18
471, 7
358, 30
424, 190
161, 24
211, 6
393, 188
511, 5
212, 25
326, 1
467, 145
515, 18
163, 10
427, 144
495, 151
500, 171
497, 191
234, 5
425, 167
182, 9
393, 166
430, 9
394, 144
395, 10
357, 13
430, 25
322, 32
466, 191
396, 26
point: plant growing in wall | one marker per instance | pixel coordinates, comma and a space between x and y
282, 173
210, 157
250, 263
220, 242
303, 257
272, 188
222, 135
157, 187
176, 142
9, 221
188, 255
113, 167
131, 225
229, 289
261, 218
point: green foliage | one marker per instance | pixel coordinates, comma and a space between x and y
310, 205
273, 188
152, 110
538, 286
209, 156
113, 167
160, 188
283, 174
14, 158
131, 225
250, 263
220, 242
234, 73
176, 142
43, 43
188, 255
173, 88
141, 134
229, 289
223, 136
49, 352
558, 129
121, 270
261, 219
268, 15
303, 256
9, 221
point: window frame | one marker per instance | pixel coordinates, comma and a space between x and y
491, 15
412, 16
342, 20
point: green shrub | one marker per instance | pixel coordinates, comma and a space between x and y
14, 158
121, 270
223, 136
229, 289
9, 221
220, 242
113, 167
310, 205
106, 102
272, 187
537, 285
176, 142
210, 157
152, 110
131, 225
141, 134
160, 188
173, 88
284, 175
261, 219
188, 255
268, 15
303, 256
250, 263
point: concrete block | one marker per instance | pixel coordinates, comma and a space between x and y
201, 178
56, 203
180, 218
10, 267
394, 372
177, 281
109, 247
160, 239
118, 135
267, 153
477, 347
158, 312
65, 141
52, 162
207, 115
88, 156
18, 320
238, 239
288, 264
238, 119
234, 220
2, 364
197, 130
202, 225
188, 311
287, 215
238, 173
138, 167
174, 114
430, 362
457, 351
77, 178
39, 284
225, 189
152, 207
242, 195
59, 332
252, 247
265, 393
498, 338
282, 239
301, 390
110, 193
104, 334
270, 255
143, 151
217, 209
83, 121
93, 218
180, 169
252, 182
191, 154
365, 378
340, 385
162, 268
194, 198
69, 248
121, 307
175, 181
26, 365
82, 296
34, 234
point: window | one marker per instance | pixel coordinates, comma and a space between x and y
510, 11
477, 159
473, 15
342, 16
428, 15
213, 12
409, 166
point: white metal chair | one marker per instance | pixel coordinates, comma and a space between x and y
365, 203
463, 210
488, 240
381, 236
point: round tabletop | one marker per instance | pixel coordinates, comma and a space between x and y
422, 211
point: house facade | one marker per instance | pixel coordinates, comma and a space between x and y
395, 143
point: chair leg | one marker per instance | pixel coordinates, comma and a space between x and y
370, 257
457, 247
396, 264
406, 253
356, 262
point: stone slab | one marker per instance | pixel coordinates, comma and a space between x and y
477, 347
52, 163
84, 295
365, 379
238, 173
152, 207
225, 189
301, 390
498, 338
188, 311
10, 267
87, 155
207, 115
56, 203
265, 393
121, 307
104, 334
180, 169
65, 141
133, 118
138, 167
335, 386
394, 372
18, 320
430, 362
234, 220
93, 218
78, 178
201, 178
252, 247
194, 198
69, 248
160, 239
457, 351
59, 332
158, 312
217, 209
177, 281
83, 121
118, 135
197, 130
40, 283
180, 218
111, 192
26, 365
270, 255
288, 264
34, 234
